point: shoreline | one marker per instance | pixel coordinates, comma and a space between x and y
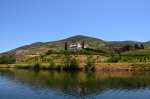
97, 67
123, 67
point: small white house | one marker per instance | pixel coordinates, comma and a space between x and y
77, 46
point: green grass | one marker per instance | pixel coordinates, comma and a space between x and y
138, 53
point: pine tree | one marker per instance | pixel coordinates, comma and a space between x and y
136, 47
66, 47
142, 46
83, 45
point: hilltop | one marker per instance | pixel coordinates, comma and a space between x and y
42, 47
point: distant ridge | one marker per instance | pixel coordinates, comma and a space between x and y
38, 48
81, 38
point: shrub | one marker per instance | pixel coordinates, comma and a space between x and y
66, 61
7, 59
37, 65
59, 67
52, 64
114, 59
49, 52
90, 62
74, 64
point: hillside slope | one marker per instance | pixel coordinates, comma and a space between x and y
42, 47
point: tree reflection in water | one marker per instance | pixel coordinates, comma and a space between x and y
79, 83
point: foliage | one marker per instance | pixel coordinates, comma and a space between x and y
66, 46
52, 64
74, 64
131, 56
126, 48
136, 47
49, 52
83, 52
142, 46
83, 44
37, 65
66, 59
7, 59
113, 59
137, 53
90, 62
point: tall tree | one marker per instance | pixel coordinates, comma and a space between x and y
83, 44
126, 48
136, 47
142, 46
66, 46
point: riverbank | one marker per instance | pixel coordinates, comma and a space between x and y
123, 67
97, 67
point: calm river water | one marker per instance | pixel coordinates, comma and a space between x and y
29, 84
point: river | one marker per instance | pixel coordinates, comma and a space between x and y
44, 84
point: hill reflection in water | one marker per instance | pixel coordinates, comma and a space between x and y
79, 84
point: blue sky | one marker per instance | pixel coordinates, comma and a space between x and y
24, 22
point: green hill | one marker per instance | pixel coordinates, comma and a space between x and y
42, 47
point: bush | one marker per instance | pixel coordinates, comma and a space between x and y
49, 52
114, 59
74, 64
52, 64
90, 62
37, 65
66, 61
7, 59
59, 67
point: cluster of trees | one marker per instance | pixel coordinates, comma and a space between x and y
136, 47
129, 48
78, 52
7, 59
130, 59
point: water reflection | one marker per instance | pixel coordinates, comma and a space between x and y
79, 84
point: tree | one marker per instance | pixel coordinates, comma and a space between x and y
49, 52
74, 64
52, 64
66, 59
90, 62
142, 46
126, 48
66, 46
83, 45
7, 59
136, 47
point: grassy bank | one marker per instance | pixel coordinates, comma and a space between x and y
83, 66
83, 60
123, 67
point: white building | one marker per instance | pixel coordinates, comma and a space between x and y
77, 46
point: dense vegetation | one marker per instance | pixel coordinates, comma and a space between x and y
7, 59
63, 60
56, 55
131, 56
